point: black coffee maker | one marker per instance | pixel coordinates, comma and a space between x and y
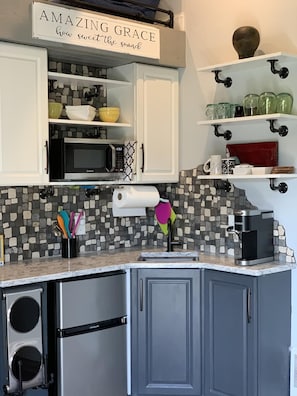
255, 231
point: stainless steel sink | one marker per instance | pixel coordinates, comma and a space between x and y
178, 256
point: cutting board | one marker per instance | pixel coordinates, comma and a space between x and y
257, 154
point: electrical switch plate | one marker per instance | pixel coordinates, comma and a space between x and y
81, 230
230, 220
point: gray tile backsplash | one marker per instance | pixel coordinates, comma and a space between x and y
202, 218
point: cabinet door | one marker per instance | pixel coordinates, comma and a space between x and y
23, 114
157, 124
230, 334
166, 336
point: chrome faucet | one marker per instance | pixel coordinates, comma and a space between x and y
170, 239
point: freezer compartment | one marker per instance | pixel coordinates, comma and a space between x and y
91, 300
93, 363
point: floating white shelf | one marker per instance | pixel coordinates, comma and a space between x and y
250, 63
249, 177
251, 119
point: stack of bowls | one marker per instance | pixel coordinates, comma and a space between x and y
109, 114
54, 110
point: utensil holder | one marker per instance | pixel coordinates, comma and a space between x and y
69, 247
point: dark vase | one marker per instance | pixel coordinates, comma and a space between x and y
245, 41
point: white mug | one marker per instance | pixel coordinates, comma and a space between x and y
213, 165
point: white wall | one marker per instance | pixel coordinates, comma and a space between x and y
209, 26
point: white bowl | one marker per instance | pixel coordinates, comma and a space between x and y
81, 113
243, 169
261, 170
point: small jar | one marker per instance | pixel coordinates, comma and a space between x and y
267, 103
211, 111
223, 110
234, 109
284, 103
251, 104
239, 111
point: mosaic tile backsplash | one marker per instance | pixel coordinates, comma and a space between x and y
202, 218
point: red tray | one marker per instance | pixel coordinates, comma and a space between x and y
257, 154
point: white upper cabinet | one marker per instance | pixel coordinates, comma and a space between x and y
157, 124
23, 115
153, 101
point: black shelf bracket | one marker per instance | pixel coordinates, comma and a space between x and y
90, 192
282, 130
227, 81
283, 72
281, 187
47, 192
224, 185
227, 135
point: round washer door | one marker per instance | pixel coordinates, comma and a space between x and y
26, 363
24, 314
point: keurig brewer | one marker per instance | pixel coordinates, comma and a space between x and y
255, 231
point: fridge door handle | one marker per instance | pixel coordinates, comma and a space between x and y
141, 294
249, 305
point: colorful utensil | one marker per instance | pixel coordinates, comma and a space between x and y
71, 221
76, 224
164, 212
65, 218
62, 225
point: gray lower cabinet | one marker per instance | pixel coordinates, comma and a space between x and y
246, 334
166, 332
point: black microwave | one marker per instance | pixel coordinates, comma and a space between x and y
75, 159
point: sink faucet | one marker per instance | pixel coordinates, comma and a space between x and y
170, 239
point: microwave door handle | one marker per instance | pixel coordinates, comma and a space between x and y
113, 158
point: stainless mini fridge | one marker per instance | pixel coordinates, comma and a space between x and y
91, 336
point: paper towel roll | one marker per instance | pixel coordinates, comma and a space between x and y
136, 197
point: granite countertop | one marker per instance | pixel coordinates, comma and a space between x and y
46, 269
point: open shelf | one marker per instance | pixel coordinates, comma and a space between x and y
250, 63
61, 121
250, 119
249, 177
86, 81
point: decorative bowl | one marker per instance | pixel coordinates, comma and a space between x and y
261, 170
81, 113
243, 169
54, 109
109, 114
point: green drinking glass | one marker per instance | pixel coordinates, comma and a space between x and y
267, 103
284, 103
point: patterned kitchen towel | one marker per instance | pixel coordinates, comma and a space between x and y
130, 159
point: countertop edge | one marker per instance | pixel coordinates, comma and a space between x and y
45, 270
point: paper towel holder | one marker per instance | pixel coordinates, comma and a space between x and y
92, 191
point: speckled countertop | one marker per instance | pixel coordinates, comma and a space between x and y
47, 269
